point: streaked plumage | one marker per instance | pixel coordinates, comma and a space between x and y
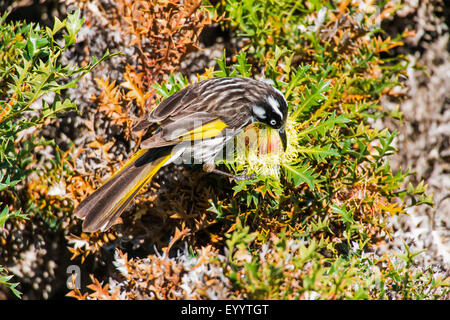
197, 121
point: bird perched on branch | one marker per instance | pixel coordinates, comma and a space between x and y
197, 120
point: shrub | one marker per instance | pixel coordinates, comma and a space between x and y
32, 82
308, 225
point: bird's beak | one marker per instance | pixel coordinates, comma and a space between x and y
283, 137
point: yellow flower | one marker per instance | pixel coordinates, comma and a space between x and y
259, 149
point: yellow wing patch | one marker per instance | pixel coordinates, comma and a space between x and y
140, 182
130, 161
209, 130
130, 191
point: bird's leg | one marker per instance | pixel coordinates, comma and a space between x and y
208, 167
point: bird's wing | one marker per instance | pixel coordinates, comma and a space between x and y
174, 104
181, 101
186, 127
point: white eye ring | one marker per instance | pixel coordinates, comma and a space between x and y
273, 122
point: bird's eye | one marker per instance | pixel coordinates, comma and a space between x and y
273, 122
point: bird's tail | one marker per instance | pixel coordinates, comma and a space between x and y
102, 208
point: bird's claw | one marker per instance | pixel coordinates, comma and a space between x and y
244, 177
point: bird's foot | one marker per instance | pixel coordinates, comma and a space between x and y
241, 177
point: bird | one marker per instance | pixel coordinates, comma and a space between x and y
198, 120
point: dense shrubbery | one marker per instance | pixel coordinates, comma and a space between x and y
307, 226
31, 81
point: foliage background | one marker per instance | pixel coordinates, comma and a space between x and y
195, 245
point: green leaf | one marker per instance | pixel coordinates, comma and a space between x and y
322, 127
409, 256
244, 69
56, 107
7, 183
224, 70
299, 76
35, 43
300, 175
74, 23
5, 215
58, 25
5, 280
216, 208
347, 216
312, 97
318, 153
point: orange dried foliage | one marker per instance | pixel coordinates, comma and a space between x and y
86, 244
100, 292
369, 206
134, 82
385, 45
110, 101
161, 277
164, 32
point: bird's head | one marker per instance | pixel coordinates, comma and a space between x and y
272, 110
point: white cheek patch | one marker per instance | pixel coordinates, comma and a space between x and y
275, 106
281, 95
259, 112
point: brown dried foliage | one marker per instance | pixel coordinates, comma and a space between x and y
161, 33
160, 277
